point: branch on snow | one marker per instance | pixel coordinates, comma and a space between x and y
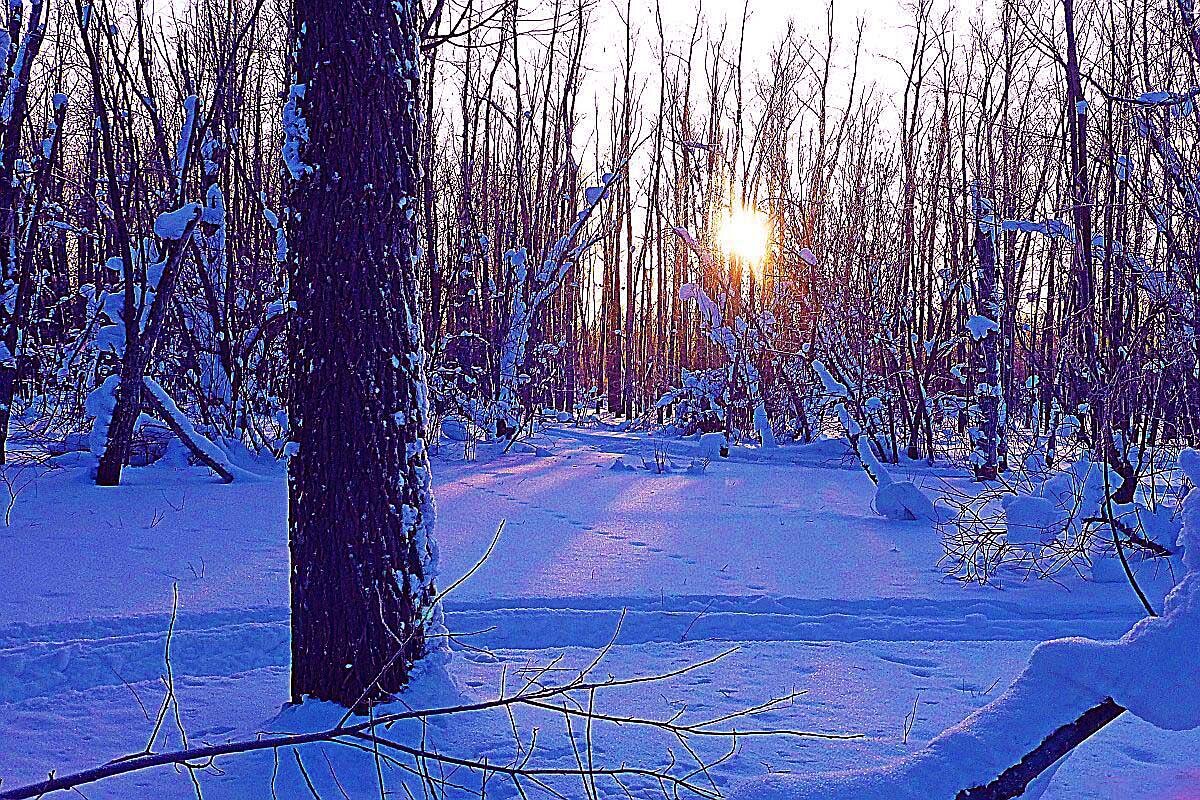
572, 698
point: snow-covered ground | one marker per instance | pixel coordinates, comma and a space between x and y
779, 556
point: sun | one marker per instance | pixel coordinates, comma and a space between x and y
744, 232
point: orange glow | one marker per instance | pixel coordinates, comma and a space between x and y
744, 232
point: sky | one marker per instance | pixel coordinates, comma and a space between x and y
768, 18
886, 34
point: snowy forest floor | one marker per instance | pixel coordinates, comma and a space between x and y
781, 556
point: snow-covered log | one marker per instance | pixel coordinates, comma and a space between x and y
1070, 689
205, 451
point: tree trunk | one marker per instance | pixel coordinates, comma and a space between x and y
28, 34
987, 393
139, 351
361, 508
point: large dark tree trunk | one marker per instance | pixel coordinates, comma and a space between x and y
361, 509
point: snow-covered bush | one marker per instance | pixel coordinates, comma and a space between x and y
698, 402
1039, 521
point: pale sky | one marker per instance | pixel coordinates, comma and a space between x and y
886, 33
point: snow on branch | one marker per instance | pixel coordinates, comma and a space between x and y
532, 290
174, 225
896, 500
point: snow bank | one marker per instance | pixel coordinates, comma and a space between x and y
714, 446
1152, 671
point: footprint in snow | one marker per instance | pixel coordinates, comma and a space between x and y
209, 733
907, 661
1138, 754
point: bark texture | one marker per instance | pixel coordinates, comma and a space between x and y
361, 509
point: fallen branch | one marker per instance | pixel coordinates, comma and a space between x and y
1016, 779
205, 451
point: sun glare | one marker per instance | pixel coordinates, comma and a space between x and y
745, 233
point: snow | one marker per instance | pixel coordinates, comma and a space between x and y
210, 450
183, 146
173, 225
295, 133
1152, 671
711, 445
896, 500
100, 404
710, 312
762, 424
776, 552
902, 500
18, 73
1029, 518
980, 327
1154, 98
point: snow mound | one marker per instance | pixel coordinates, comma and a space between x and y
902, 500
1031, 520
460, 429
711, 445
620, 466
